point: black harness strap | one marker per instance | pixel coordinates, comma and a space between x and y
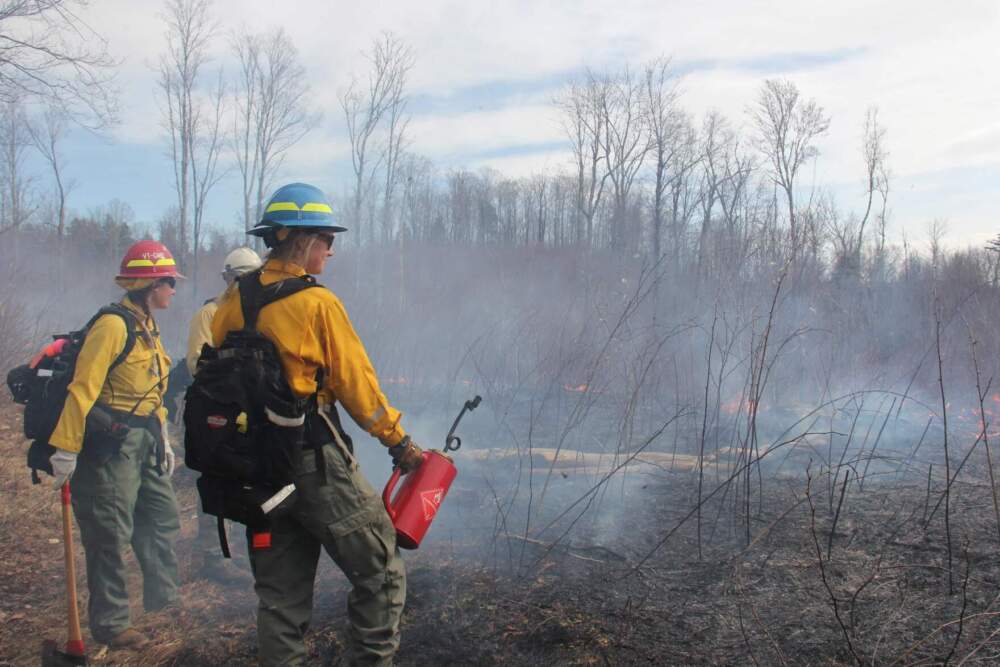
254, 296
220, 524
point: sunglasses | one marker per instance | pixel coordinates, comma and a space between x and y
327, 239
166, 281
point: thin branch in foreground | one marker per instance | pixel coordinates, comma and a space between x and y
981, 393
836, 516
822, 571
947, 461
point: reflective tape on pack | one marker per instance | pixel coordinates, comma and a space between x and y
276, 499
280, 420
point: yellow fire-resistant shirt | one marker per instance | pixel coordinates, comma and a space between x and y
199, 333
140, 378
311, 331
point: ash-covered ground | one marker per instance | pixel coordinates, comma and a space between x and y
589, 558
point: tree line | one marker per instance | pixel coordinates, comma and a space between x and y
643, 177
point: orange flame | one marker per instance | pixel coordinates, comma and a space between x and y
738, 404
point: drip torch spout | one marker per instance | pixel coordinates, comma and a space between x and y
452, 442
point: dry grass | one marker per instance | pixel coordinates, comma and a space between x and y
478, 598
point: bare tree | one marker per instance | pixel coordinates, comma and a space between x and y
787, 127
661, 110
625, 145
583, 121
873, 149
365, 105
736, 201
48, 54
188, 33
876, 182
271, 115
282, 116
46, 136
684, 157
205, 172
537, 188
937, 229
993, 246
397, 121
715, 136
244, 138
14, 143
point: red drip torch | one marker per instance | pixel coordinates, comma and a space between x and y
415, 506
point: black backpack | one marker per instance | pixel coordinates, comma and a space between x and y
243, 426
41, 386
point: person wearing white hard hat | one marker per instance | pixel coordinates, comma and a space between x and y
239, 261
206, 547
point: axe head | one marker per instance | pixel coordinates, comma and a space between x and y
53, 657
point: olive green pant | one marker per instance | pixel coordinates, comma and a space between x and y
119, 501
338, 510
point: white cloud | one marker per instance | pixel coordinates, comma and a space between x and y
528, 164
477, 132
930, 67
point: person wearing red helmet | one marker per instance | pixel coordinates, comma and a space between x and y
111, 438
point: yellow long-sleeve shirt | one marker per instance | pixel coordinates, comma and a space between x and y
140, 378
199, 333
311, 331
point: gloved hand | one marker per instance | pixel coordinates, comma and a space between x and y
169, 458
407, 455
63, 465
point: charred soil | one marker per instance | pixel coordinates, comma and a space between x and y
623, 585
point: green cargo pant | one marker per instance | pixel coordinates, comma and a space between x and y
120, 501
338, 510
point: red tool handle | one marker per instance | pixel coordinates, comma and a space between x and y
390, 486
74, 645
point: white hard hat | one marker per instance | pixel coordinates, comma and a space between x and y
240, 261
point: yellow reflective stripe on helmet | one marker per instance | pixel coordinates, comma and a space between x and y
316, 208
165, 261
282, 206
311, 207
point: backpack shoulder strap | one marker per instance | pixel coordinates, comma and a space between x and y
254, 296
131, 322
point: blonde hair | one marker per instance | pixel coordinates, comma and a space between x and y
294, 248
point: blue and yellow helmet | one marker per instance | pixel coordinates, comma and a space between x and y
296, 206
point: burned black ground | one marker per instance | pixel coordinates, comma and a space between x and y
613, 591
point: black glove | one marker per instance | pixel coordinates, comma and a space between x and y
407, 455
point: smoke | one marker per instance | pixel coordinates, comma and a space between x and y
602, 375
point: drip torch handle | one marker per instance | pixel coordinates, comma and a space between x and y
390, 486
452, 442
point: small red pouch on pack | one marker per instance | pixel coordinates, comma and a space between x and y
260, 541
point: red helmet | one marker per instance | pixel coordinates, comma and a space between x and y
148, 259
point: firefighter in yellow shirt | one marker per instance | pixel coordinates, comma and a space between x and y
206, 547
111, 439
237, 262
337, 509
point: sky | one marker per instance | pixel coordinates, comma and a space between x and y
485, 75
